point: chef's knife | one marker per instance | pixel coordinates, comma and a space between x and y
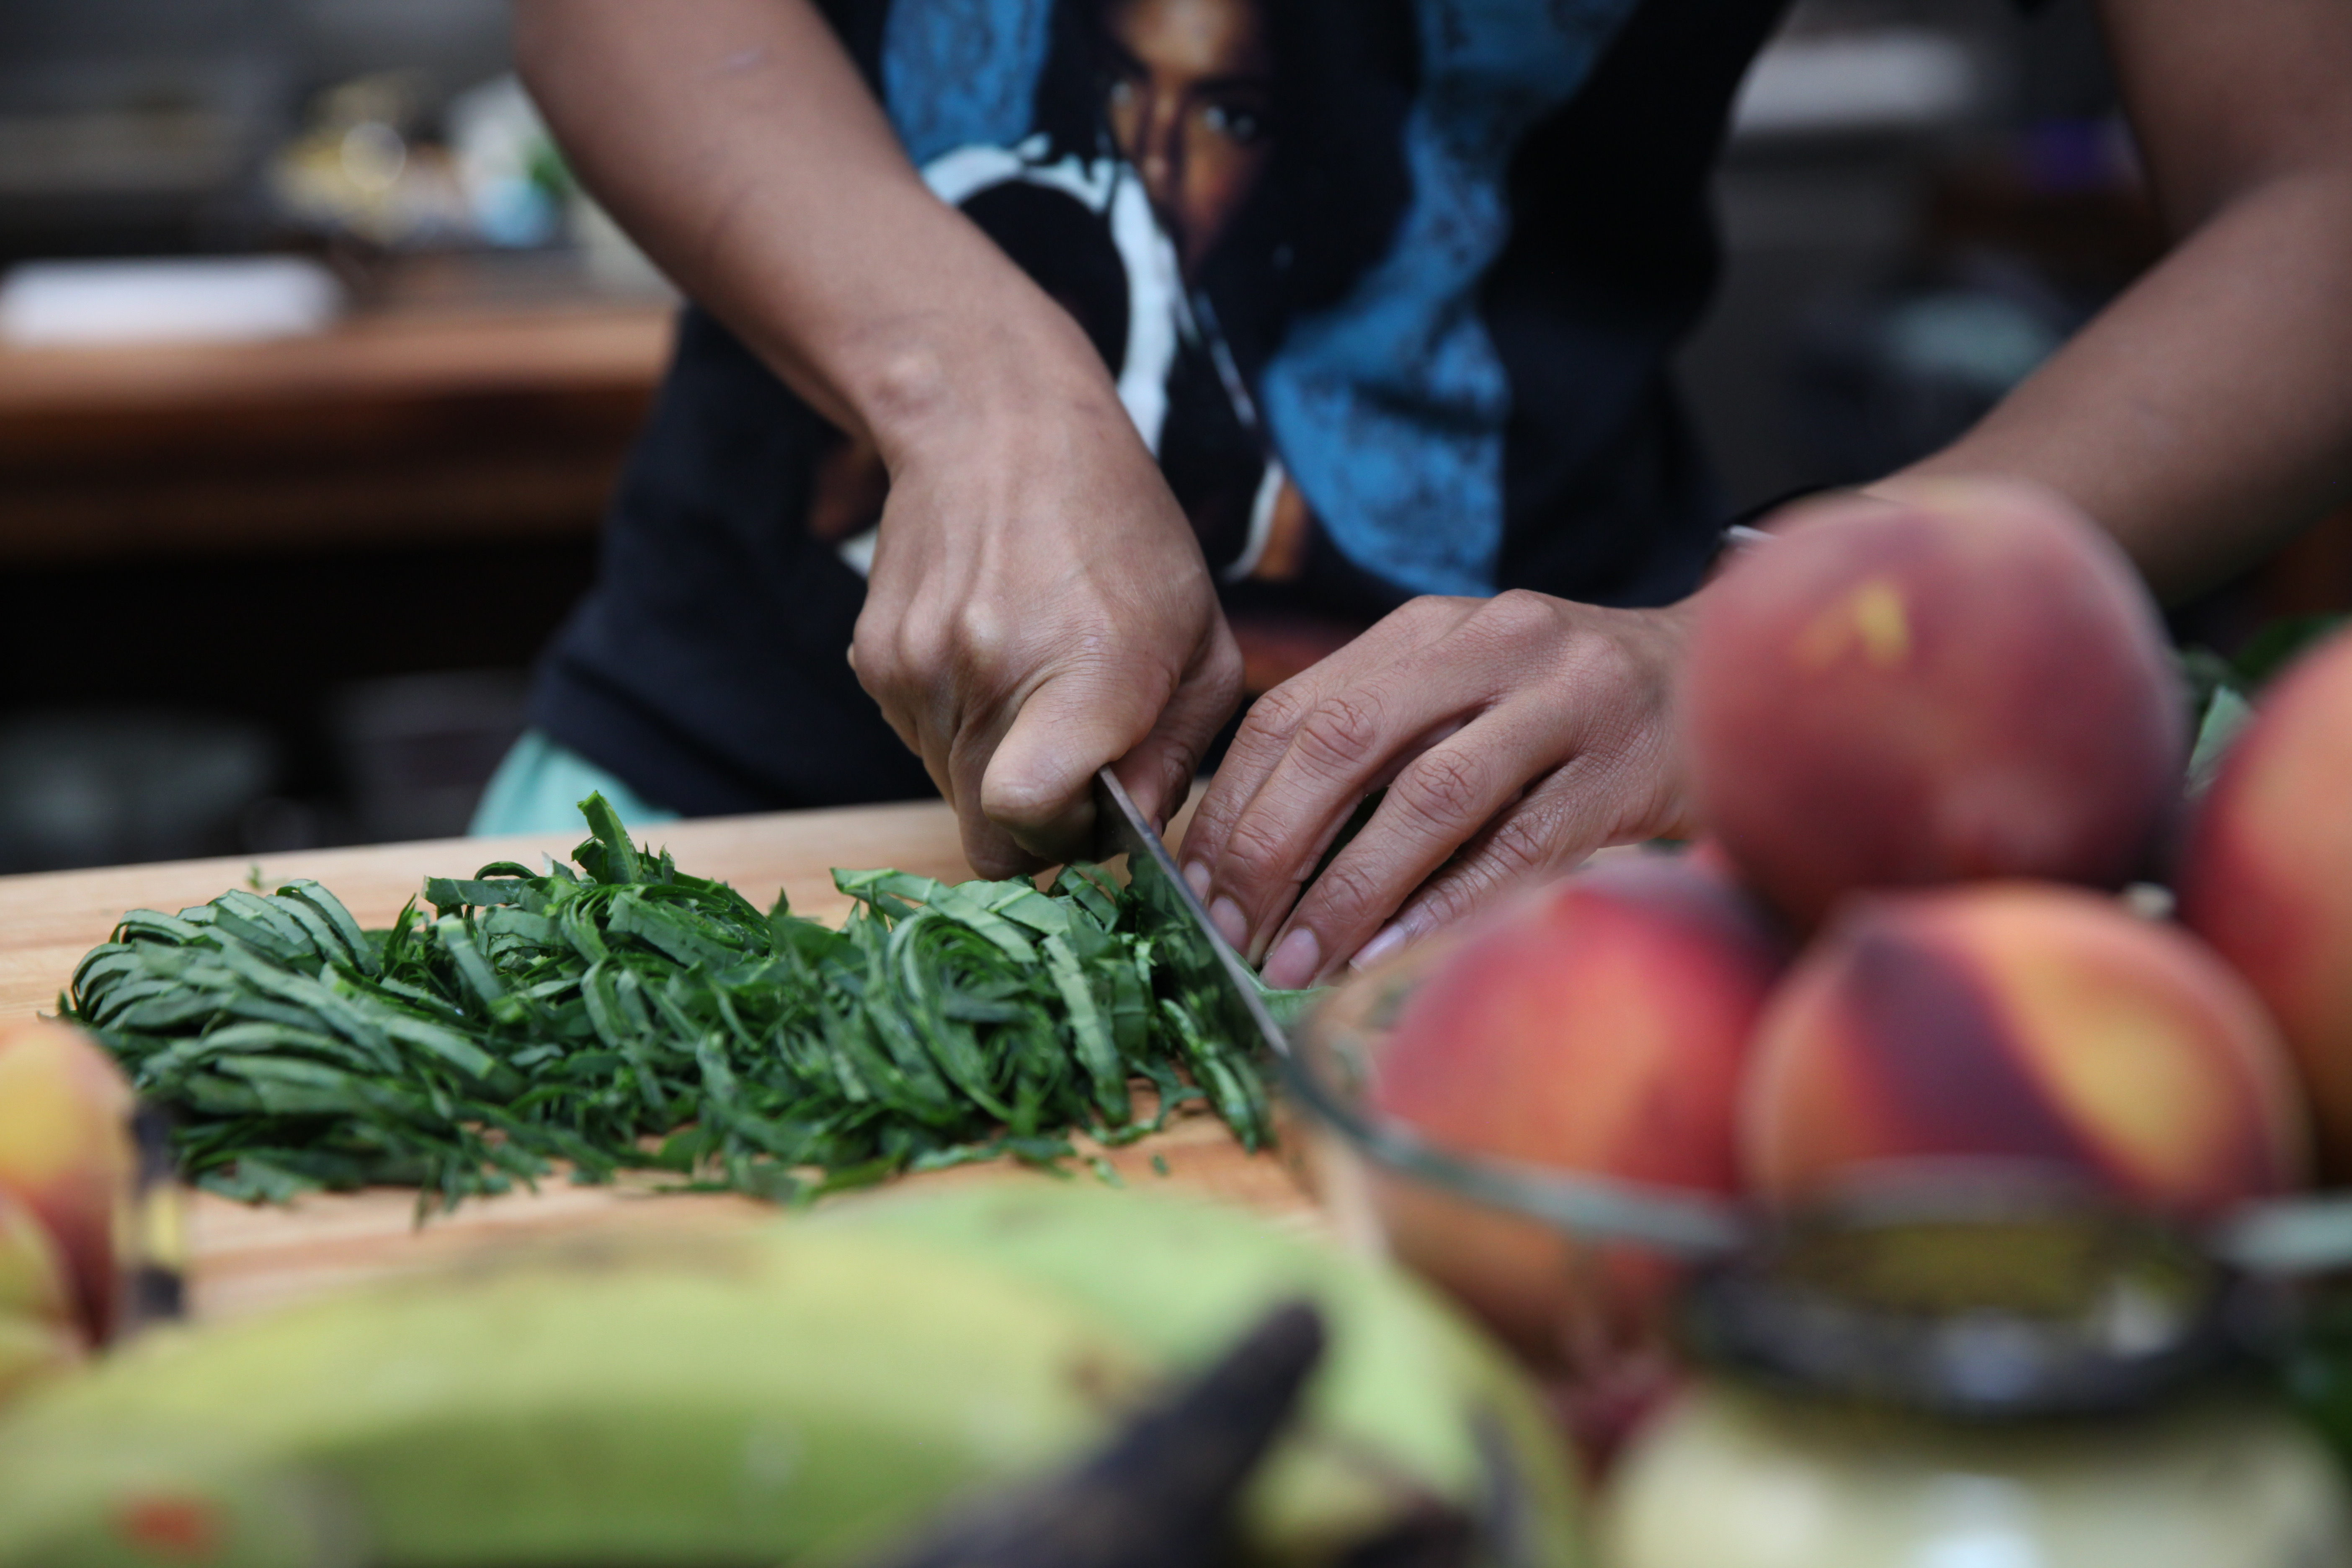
1215, 976
1225, 991
2288, 1235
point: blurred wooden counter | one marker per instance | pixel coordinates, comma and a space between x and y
472, 411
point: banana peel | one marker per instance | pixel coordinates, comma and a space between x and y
771, 1396
808, 1393
1414, 1411
1160, 1493
32, 1352
40, 1334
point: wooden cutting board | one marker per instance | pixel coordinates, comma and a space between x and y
247, 1258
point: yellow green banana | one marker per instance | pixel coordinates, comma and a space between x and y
800, 1394
1412, 1406
40, 1335
749, 1399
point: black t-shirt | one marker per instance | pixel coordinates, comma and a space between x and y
1389, 287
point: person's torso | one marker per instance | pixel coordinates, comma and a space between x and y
1388, 285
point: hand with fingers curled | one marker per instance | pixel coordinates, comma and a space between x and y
1039, 608
1514, 735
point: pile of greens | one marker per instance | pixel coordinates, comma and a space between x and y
630, 1015
2221, 691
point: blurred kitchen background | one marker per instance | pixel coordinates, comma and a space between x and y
314, 372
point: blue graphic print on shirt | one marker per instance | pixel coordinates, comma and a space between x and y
1386, 408
1389, 407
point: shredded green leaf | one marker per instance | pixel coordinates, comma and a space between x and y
630, 1016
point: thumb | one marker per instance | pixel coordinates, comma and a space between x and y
1038, 786
1158, 770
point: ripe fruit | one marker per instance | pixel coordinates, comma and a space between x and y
1600, 1023
2267, 877
1971, 684
2026, 1021
1410, 1406
66, 1151
39, 1333
811, 1392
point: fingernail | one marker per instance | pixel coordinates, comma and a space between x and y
1231, 923
1294, 961
1196, 877
1389, 938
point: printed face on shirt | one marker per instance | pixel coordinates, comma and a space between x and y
1192, 85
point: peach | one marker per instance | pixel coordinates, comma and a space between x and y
2266, 876
39, 1331
1971, 684
2022, 1021
66, 1151
1599, 1024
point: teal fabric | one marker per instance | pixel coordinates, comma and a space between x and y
538, 788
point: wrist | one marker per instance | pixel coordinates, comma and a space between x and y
976, 382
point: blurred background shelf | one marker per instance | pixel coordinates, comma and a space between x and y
311, 570
436, 423
269, 595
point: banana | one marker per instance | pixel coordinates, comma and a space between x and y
803, 1393
33, 1350
772, 1396
1412, 1408
40, 1333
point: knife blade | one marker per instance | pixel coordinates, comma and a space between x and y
1218, 980
2279, 1235
1220, 987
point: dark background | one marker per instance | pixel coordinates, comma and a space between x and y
299, 608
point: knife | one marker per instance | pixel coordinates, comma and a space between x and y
2277, 1236
1217, 978
1222, 988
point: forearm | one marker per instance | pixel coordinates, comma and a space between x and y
736, 142
2206, 415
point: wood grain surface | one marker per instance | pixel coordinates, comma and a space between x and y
249, 1258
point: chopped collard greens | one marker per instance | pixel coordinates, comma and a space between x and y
628, 1015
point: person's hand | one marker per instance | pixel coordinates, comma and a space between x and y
1514, 734
1039, 608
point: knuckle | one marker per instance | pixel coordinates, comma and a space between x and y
1419, 613
1348, 892
1447, 786
1092, 639
980, 635
996, 865
1519, 610
1526, 843
1341, 730
903, 657
991, 851
1253, 755
1019, 805
1516, 620
1427, 612
1517, 848
1256, 854
1603, 660
1225, 670
1275, 716
1445, 901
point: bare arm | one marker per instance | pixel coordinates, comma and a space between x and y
2202, 418
1038, 604
2206, 415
